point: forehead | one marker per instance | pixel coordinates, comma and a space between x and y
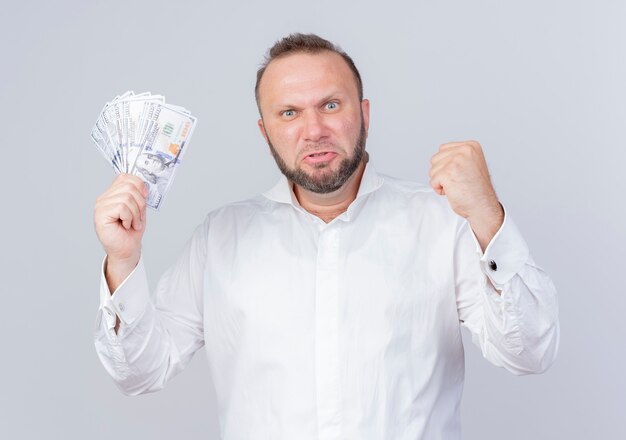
307, 74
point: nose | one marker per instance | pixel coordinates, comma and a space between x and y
314, 127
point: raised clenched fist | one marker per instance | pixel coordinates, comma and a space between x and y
459, 171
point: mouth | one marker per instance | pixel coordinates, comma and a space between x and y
320, 156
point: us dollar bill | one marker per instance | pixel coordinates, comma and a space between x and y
143, 135
163, 148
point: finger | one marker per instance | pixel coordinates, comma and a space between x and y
118, 186
106, 216
125, 178
461, 156
437, 182
110, 213
444, 163
448, 145
439, 189
443, 155
128, 188
461, 150
125, 202
125, 215
143, 214
135, 206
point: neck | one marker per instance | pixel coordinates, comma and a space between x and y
331, 205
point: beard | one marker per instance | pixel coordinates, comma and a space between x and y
329, 181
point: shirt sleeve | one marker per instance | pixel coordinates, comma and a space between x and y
516, 327
157, 337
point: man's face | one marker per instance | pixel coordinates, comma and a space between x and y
312, 119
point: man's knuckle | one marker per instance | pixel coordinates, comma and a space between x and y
457, 158
128, 198
465, 149
476, 146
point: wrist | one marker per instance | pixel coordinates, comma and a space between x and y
116, 270
119, 262
486, 223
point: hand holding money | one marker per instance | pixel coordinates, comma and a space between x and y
120, 220
143, 139
144, 136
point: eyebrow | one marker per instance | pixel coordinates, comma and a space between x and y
330, 96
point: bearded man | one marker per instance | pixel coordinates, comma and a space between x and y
330, 306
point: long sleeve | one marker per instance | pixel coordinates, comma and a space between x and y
517, 329
156, 338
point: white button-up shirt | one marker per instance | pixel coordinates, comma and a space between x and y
342, 330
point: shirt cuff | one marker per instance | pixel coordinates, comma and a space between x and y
506, 253
129, 300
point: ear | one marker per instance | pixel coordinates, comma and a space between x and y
365, 110
262, 129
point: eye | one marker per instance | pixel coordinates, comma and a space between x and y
288, 113
331, 105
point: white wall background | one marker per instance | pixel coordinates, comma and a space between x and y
539, 83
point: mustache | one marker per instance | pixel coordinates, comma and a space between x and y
316, 148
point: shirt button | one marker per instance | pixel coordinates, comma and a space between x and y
122, 308
492, 265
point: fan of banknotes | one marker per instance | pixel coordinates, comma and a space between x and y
142, 135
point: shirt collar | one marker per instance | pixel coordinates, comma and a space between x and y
282, 192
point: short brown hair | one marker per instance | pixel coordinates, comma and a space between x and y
303, 43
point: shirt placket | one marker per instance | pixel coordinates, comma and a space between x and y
327, 335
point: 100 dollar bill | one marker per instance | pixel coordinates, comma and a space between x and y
164, 140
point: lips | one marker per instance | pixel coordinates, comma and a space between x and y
320, 156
